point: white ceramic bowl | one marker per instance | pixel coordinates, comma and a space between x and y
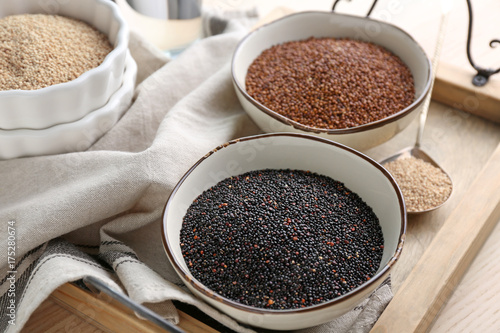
70, 101
74, 136
303, 25
295, 151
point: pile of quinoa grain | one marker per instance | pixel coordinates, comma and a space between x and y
330, 83
39, 50
423, 185
281, 239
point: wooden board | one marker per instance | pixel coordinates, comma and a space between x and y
454, 78
461, 142
473, 306
453, 87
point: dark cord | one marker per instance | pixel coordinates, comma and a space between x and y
482, 76
367, 15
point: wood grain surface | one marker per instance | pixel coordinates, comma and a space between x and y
72, 309
473, 306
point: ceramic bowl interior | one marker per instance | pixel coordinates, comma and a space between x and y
303, 25
75, 136
70, 101
294, 151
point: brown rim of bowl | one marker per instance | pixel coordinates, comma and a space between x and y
186, 275
378, 123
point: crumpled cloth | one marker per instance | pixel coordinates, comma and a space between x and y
98, 212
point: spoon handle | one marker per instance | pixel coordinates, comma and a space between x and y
435, 63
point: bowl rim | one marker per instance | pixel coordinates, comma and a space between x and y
78, 130
197, 285
299, 126
129, 74
121, 44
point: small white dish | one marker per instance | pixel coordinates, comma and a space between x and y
358, 172
74, 136
303, 25
70, 101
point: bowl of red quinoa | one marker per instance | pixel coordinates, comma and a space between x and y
59, 61
284, 231
351, 79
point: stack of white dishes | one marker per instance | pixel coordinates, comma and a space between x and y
71, 116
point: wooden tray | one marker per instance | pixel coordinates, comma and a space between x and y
439, 246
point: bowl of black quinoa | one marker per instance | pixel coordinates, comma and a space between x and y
354, 80
284, 231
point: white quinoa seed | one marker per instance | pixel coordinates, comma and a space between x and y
423, 185
39, 50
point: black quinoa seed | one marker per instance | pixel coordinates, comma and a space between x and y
281, 239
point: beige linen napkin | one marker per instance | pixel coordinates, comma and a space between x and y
98, 213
